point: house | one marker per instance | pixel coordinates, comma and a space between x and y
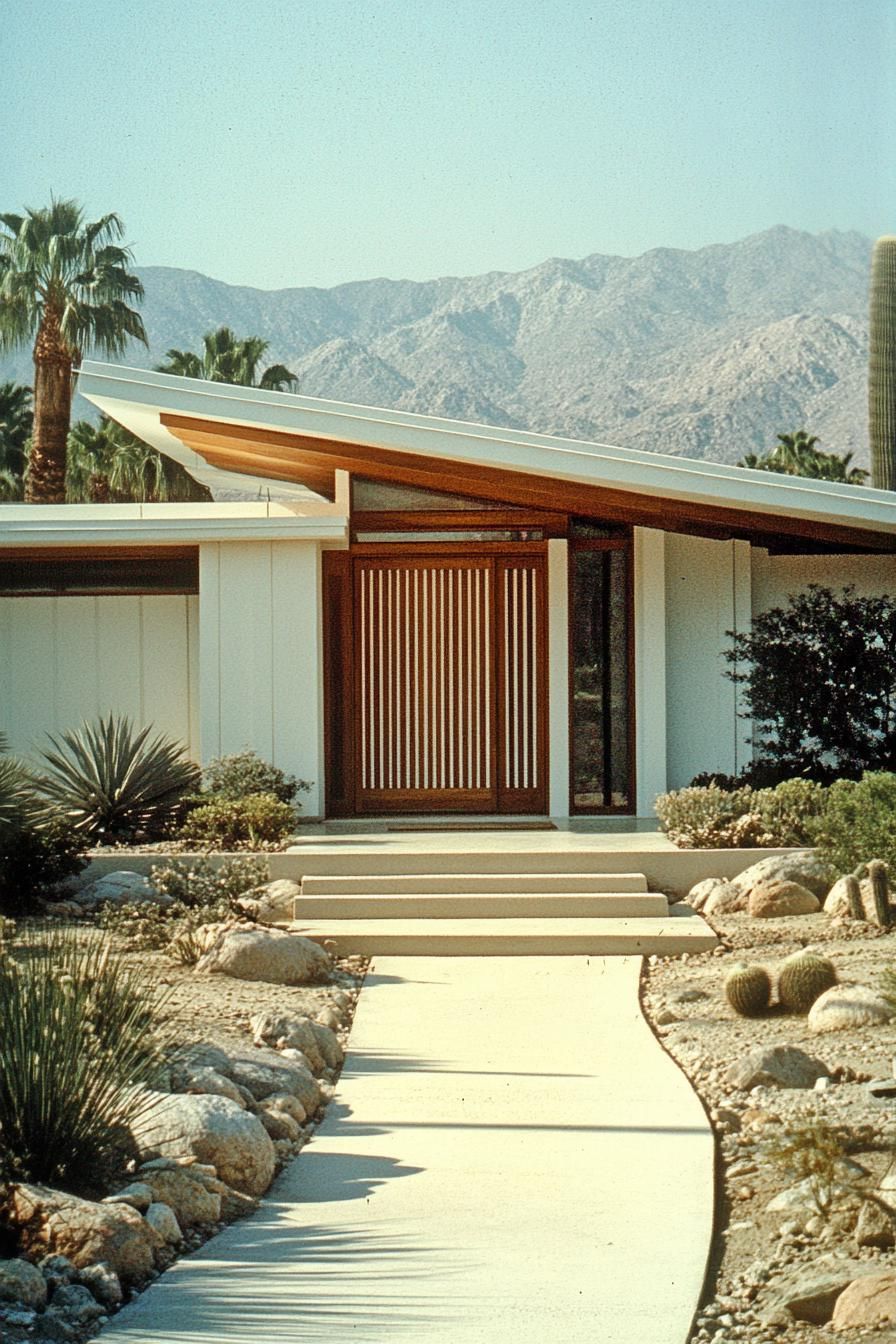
431, 616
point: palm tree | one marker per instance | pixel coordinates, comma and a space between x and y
796, 455
16, 420
109, 464
65, 284
227, 359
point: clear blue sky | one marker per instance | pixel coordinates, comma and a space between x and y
319, 141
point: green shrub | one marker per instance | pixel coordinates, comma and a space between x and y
245, 773
77, 1039
37, 848
258, 821
859, 822
114, 783
200, 882
791, 811
717, 817
34, 860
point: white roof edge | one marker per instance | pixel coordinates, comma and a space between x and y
159, 524
661, 475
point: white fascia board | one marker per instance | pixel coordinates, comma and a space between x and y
161, 524
118, 389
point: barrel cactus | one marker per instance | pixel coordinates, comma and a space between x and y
882, 365
802, 978
748, 989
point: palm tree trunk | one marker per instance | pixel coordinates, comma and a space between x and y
45, 479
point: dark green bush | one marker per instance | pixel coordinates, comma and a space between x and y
37, 848
859, 822
115, 783
77, 1041
244, 773
34, 859
819, 683
258, 821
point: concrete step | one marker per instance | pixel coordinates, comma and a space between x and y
394, 884
678, 932
475, 904
368, 860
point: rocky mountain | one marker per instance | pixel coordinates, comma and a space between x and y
704, 354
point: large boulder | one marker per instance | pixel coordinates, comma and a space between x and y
724, 899
49, 1222
189, 1078
162, 1221
809, 1293
20, 1281
775, 1066
121, 888
276, 900
317, 1042
185, 1193
869, 1301
271, 955
772, 900
213, 1130
718, 889
802, 866
846, 1006
264, 1072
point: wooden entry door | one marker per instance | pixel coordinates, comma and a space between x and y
449, 685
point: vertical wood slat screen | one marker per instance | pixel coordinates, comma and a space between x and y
426, 671
521, 690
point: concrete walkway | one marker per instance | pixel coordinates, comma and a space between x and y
510, 1157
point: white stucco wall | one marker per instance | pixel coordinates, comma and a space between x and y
707, 593
67, 659
650, 667
260, 669
775, 577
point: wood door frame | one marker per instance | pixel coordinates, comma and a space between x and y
341, 707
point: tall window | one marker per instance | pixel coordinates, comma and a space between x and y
601, 729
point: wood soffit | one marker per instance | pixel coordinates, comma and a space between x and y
312, 462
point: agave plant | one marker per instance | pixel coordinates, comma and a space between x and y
113, 782
77, 1056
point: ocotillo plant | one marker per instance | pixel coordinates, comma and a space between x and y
882, 365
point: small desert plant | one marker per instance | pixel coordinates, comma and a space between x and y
257, 821
114, 782
859, 822
790, 811
201, 893
815, 1152
201, 882
802, 978
244, 773
77, 1043
748, 989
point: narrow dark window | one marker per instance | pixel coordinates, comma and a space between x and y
601, 730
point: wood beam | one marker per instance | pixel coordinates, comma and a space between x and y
289, 455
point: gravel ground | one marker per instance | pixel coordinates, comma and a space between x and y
755, 1248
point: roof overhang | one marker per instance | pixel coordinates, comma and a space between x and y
237, 435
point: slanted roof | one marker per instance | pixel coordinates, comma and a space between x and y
237, 435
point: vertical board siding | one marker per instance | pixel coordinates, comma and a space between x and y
424, 666
450, 682
260, 660
67, 659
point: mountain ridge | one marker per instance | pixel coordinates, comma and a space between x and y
707, 353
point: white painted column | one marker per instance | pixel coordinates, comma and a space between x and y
558, 678
650, 666
742, 604
260, 659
